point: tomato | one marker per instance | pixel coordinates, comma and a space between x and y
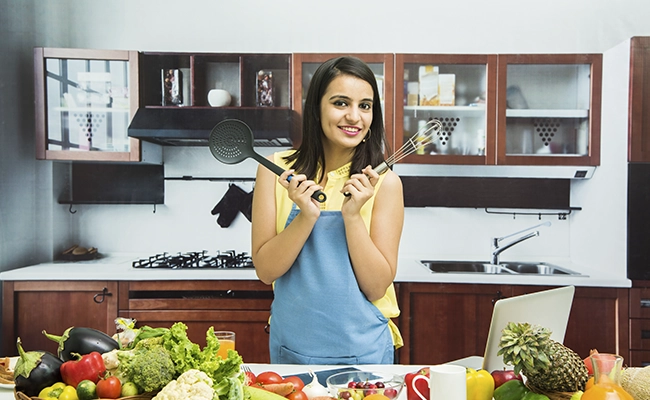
297, 395
298, 384
268, 377
109, 388
250, 378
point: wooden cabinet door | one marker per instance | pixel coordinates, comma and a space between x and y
84, 102
29, 307
639, 114
549, 109
444, 322
239, 306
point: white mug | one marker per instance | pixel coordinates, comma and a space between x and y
446, 382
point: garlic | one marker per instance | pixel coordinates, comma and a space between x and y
315, 389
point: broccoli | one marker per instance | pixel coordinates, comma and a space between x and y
148, 365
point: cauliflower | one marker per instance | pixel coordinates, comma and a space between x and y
191, 385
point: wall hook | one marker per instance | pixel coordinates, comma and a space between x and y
154, 208
71, 210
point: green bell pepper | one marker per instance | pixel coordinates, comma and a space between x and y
511, 390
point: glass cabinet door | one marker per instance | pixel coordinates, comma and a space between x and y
84, 104
306, 64
456, 90
549, 109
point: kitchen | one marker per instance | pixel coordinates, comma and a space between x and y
593, 238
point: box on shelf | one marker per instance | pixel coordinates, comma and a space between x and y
428, 79
447, 89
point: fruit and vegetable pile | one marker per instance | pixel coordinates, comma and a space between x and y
158, 363
163, 364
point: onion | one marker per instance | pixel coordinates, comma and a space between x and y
315, 389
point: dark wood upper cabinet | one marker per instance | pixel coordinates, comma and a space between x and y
639, 107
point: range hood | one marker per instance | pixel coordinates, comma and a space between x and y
182, 126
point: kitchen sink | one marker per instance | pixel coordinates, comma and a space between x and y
510, 267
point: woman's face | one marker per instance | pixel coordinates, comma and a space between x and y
346, 111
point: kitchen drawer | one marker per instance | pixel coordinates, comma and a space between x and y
640, 303
639, 358
640, 334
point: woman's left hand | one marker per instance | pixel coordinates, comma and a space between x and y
361, 187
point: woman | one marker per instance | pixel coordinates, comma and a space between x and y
331, 268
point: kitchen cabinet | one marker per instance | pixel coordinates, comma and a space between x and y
639, 122
639, 324
305, 65
29, 307
184, 95
84, 101
549, 109
468, 117
249, 80
239, 306
533, 109
444, 322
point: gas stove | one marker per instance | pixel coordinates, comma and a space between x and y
229, 259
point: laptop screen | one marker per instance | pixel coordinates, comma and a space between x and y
548, 308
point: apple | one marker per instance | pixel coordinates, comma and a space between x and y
504, 375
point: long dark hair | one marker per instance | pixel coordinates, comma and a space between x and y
310, 156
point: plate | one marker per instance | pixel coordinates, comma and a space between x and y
322, 375
12, 364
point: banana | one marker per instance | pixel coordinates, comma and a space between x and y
253, 393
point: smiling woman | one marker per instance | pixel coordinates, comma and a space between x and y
332, 270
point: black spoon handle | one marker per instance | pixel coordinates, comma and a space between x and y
319, 196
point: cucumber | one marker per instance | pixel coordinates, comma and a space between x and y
253, 393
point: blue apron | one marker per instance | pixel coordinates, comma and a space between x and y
319, 315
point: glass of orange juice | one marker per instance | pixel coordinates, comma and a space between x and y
226, 341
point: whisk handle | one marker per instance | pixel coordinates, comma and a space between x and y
378, 169
319, 196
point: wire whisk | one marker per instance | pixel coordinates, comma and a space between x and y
421, 138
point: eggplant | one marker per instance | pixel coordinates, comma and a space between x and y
35, 370
82, 340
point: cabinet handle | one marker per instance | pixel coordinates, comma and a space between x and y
498, 297
645, 334
267, 328
645, 303
99, 297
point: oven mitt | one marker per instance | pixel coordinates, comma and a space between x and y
228, 206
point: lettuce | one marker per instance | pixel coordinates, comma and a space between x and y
225, 373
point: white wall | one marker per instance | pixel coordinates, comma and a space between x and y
33, 226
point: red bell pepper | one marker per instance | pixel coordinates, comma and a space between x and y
422, 385
90, 366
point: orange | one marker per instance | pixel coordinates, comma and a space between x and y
590, 383
376, 396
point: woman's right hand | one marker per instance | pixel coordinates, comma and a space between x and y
300, 190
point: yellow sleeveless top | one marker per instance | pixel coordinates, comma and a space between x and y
335, 180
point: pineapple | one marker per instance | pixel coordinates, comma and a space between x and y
547, 364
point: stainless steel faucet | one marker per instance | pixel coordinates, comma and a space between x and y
496, 250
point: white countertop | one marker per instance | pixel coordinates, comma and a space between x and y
118, 267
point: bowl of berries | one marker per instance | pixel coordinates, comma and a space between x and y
362, 385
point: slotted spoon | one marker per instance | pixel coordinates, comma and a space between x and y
231, 142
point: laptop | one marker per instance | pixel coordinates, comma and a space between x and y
548, 308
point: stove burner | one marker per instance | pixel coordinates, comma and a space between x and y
226, 259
